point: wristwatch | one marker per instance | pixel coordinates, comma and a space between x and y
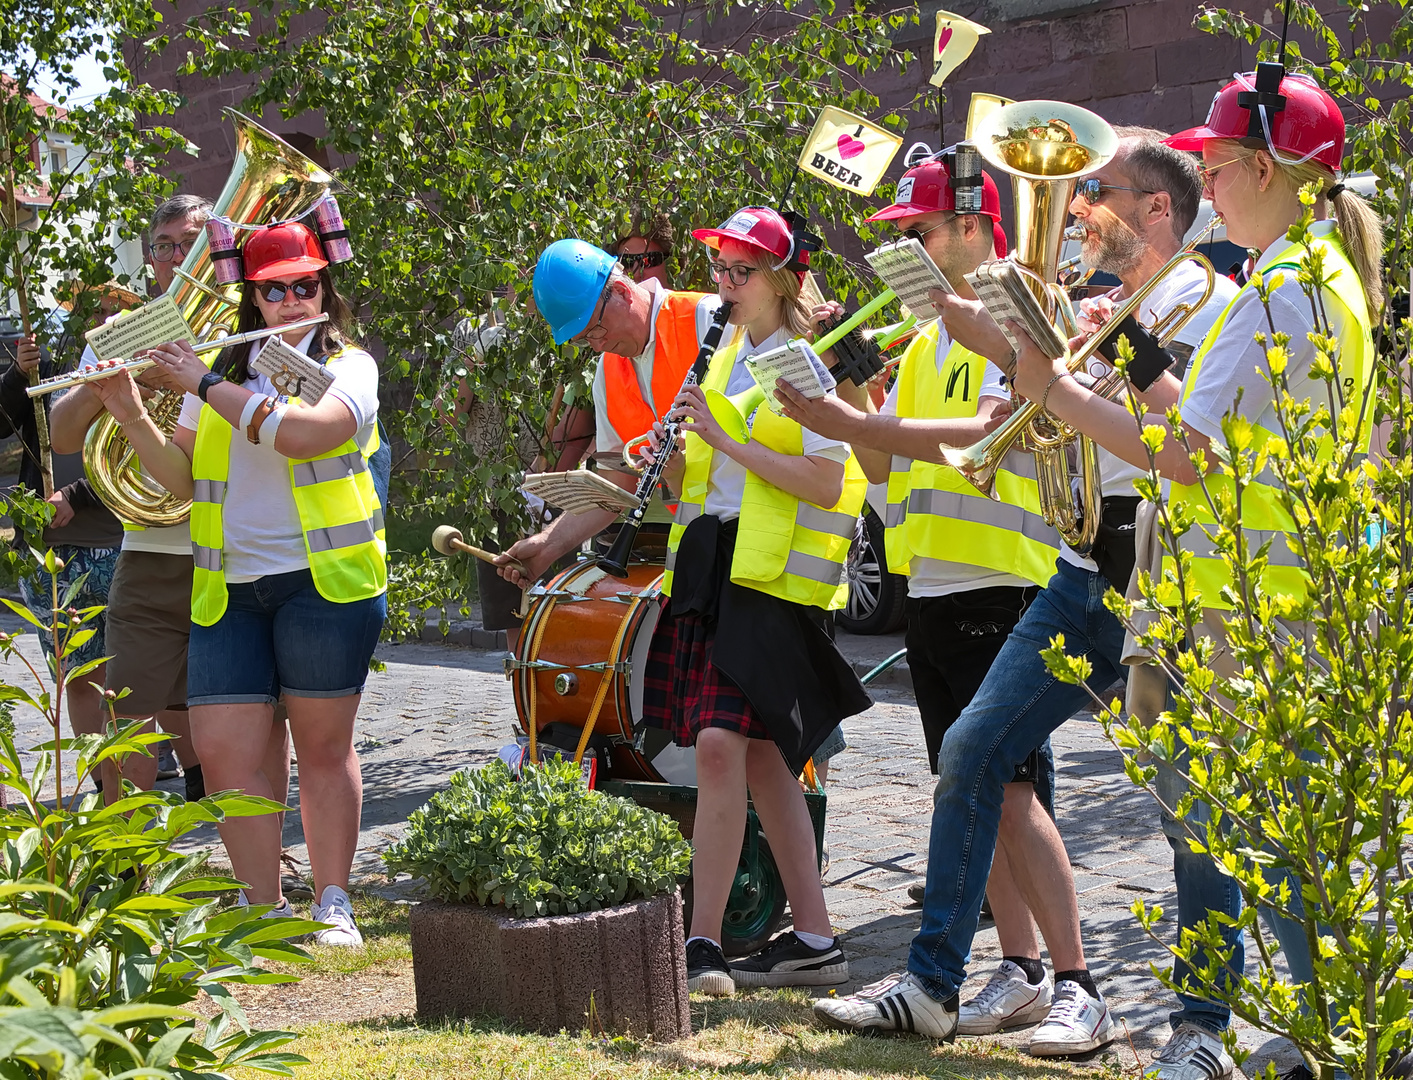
210, 379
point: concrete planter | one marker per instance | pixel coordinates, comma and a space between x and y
469, 960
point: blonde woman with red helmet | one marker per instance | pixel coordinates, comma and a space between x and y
741, 665
288, 594
1267, 136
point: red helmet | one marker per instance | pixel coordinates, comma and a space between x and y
1306, 125
927, 189
760, 227
290, 248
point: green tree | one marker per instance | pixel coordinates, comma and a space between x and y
478, 134
1305, 753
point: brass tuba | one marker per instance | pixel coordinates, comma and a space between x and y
269, 181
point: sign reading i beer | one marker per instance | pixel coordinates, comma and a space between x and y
848, 151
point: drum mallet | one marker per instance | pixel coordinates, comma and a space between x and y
447, 539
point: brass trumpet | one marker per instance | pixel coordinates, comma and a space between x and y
979, 461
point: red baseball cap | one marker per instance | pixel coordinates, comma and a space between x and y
758, 226
290, 248
927, 189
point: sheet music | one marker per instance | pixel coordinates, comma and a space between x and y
1002, 288
132, 332
579, 491
791, 363
292, 373
907, 269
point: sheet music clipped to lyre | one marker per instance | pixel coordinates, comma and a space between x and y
1001, 287
907, 269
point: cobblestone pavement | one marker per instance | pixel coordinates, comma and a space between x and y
438, 708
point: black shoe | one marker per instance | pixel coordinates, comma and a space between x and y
707, 969
788, 961
195, 783
918, 890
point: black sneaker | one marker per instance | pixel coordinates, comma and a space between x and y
195, 784
918, 890
788, 961
707, 970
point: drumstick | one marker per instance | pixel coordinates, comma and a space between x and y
447, 540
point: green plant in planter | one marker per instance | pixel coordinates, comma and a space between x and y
108, 934
541, 845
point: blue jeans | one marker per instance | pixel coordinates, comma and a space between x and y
1016, 709
1202, 887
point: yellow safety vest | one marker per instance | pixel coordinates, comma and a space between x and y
785, 547
1262, 515
933, 512
339, 514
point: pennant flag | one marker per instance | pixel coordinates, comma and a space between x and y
955, 39
848, 151
982, 106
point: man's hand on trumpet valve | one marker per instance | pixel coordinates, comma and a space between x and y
969, 323
118, 393
825, 415
179, 361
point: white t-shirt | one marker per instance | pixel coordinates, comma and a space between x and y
608, 442
259, 520
1236, 362
938, 577
1184, 285
168, 540
726, 483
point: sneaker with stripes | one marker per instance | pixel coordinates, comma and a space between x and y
1008, 1001
896, 1004
1077, 1024
788, 961
1193, 1053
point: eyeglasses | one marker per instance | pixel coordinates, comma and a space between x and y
918, 234
165, 251
274, 291
738, 274
1091, 190
1205, 172
581, 340
643, 260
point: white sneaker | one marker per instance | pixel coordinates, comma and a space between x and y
336, 909
897, 1003
1193, 1053
1077, 1023
1007, 1001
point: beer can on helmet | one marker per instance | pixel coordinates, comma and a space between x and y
225, 256
333, 233
927, 189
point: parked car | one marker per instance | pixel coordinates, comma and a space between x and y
875, 596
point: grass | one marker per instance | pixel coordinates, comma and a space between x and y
768, 1033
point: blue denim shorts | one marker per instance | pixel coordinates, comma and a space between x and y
279, 635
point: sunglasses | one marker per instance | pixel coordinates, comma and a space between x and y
739, 275
1091, 190
1205, 172
274, 291
643, 260
918, 234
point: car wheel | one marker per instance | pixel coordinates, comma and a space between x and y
876, 597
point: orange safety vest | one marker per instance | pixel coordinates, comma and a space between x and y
675, 347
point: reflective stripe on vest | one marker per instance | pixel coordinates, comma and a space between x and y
338, 509
935, 513
675, 346
785, 547
1262, 515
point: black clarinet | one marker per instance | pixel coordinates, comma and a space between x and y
616, 561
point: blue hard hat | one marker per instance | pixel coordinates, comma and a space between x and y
569, 279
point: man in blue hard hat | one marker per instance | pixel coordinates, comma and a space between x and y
647, 337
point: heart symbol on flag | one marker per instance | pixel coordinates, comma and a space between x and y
850, 147
942, 40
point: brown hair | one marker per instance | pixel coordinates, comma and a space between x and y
1154, 166
234, 362
1361, 233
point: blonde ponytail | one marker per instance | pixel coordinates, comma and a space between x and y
1362, 234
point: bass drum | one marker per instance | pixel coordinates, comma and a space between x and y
585, 626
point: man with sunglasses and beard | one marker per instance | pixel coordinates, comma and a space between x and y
149, 604
647, 337
1135, 212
